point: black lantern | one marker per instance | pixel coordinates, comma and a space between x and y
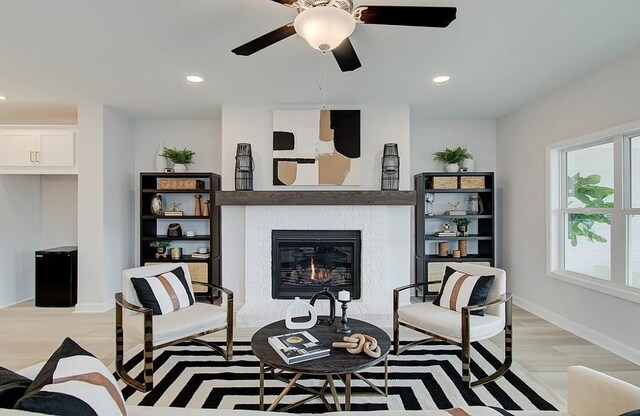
244, 167
390, 180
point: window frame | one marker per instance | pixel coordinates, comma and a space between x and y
621, 214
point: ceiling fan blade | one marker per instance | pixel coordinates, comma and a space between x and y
265, 40
405, 15
346, 56
286, 2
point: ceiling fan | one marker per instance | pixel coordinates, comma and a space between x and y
327, 24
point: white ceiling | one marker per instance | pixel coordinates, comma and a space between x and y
133, 55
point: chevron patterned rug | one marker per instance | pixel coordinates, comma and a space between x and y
424, 377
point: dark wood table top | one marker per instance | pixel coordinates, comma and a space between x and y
339, 360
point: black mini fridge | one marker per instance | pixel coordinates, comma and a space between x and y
57, 277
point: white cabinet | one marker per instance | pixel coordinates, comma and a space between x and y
38, 151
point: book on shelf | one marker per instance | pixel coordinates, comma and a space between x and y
446, 234
298, 347
197, 255
173, 213
456, 212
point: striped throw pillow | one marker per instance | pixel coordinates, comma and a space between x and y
460, 289
164, 293
73, 382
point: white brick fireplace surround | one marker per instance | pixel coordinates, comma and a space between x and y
385, 257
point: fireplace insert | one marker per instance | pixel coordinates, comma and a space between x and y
306, 261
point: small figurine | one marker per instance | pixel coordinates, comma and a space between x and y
175, 206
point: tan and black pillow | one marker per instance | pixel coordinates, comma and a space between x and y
73, 382
165, 293
460, 289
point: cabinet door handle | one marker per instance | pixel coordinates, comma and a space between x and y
31, 156
37, 156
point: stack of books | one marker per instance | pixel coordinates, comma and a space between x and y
173, 213
197, 255
446, 234
298, 347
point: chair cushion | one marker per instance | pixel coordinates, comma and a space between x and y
12, 387
448, 323
197, 318
164, 293
73, 382
461, 289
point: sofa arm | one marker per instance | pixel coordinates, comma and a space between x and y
592, 393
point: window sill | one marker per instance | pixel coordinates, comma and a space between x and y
592, 283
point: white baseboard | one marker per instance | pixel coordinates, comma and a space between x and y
15, 303
94, 307
601, 340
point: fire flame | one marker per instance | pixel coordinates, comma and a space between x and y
313, 270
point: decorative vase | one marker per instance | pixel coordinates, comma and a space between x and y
468, 165
206, 210
198, 206
452, 167
161, 161
462, 230
298, 304
244, 167
156, 205
179, 167
390, 168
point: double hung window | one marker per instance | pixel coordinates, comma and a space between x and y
594, 211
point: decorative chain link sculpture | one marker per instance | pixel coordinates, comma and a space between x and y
358, 343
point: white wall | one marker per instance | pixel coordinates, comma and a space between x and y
58, 210
203, 137
105, 204
253, 124
430, 136
119, 196
19, 236
603, 99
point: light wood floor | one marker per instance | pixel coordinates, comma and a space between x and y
29, 335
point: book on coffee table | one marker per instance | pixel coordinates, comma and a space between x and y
298, 347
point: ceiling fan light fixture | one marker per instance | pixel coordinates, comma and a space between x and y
324, 27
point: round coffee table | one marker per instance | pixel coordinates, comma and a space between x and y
338, 363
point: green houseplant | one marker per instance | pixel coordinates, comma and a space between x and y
462, 224
587, 191
161, 247
452, 157
179, 157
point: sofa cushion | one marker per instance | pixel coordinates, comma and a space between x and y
199, 317
12, 387
461, 289
164, 293
73, 382
448, 323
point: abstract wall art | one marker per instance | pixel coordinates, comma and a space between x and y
316, 147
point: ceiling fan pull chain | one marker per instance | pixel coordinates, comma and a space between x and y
321, 85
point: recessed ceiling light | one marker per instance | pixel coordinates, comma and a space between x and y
194, 78
441, 78
2, 97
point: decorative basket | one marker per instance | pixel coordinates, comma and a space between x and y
472, 182
182, 183
442, 182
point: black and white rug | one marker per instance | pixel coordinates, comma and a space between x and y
424, 377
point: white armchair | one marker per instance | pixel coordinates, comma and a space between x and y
459, 328
158, 331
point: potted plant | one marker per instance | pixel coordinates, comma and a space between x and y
161, 247
452, 157
462, 224
180, 158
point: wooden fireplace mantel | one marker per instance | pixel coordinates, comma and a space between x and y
315, 198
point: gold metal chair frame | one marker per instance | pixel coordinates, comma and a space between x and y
147, 385
465, 344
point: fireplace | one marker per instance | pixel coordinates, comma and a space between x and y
303, 262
